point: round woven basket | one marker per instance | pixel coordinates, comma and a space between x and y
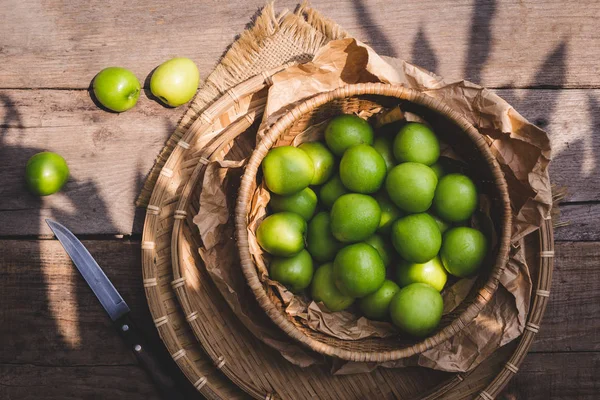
454, 130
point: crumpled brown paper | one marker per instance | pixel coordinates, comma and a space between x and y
522, 150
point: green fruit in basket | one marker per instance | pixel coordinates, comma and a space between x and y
346, 131
287, 170
362, 169
175, 82
323, 161
293, 272
417, 309
438, 169
383, 247
384, 146
302, 203
463, 251
377, 304
443, 225
331, 190
416, 237
455, 198
431, 273
415, 142
46, 173
411, 186
358, 270
319, 241
117, 89
354, 217
389, 212
325, 291
282, 234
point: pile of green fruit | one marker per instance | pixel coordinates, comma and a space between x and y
393, 223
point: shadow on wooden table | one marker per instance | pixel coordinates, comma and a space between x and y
56, 328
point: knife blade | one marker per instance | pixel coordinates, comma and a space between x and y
116, 307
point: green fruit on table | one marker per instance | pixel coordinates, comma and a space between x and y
346, 131
293, 272
117, 89
323, 161
287, 170
384, 146
175, 82
302, 203
383, 247
443, 225
415, 142
46, 173
455, 198
411, 186
320, 243
377, 304
282, 234
431, 273
463, 251
417, 309
331, 190
362, 169
416, 237
354, 217
358, 270
389, 212
325, 291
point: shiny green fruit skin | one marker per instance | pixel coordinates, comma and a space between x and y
282, 234
416, 237
293, 272
455, 198
320, 243
302, 203
287, 170
331, 191
389, 212
117, 89
345, 131
323, 161
376, 305
384, 146
325, 291
354, 217
175, 82
358, 270
411, 186
415, 142
383, 247
417, 309
443, 225
463, 251
46, 173
362, 169
431, 273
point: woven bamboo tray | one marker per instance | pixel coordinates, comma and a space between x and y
172, 266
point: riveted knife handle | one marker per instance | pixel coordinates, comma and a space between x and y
135, 341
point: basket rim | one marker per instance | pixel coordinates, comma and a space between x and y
484, 294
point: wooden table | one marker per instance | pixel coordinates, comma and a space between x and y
55, 340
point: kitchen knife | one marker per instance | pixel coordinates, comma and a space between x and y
116, 308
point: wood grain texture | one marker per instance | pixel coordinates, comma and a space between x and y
110, 154
582, 222
513, 43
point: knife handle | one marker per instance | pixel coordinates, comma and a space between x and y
133, 337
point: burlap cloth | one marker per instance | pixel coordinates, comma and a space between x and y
296, 37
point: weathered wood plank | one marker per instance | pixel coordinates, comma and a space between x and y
33, 382
556, 376
582, 222
108, 154
510, 43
